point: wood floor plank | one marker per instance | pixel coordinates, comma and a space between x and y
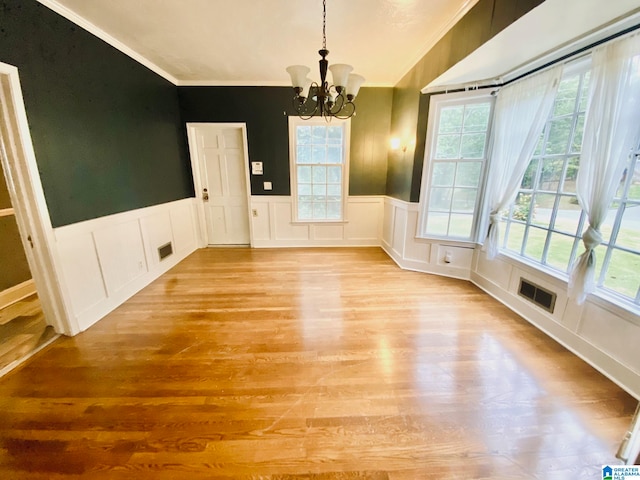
308, 364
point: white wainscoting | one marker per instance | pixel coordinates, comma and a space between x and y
601, 333
106, 260
399, 240
273, 224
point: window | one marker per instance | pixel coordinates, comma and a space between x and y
454, 165
545, 222
319, 168
619, 264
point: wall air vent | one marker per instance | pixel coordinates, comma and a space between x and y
165, 250
538, 295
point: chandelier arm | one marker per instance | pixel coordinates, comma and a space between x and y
350, 111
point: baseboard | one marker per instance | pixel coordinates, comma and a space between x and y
17, 292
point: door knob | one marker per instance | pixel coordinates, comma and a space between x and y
205, 195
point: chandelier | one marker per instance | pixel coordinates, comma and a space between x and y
321, 99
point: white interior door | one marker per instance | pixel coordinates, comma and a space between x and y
223, 176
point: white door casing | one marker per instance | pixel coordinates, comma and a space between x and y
27, 196
219, 159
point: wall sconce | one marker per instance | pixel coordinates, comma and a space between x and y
396, 144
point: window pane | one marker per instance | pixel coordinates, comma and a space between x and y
566, 96
318, 154
585, 92
551, 174
443, 174
622, 274
515, 237
464, 200
448, 146
334, 154
319, 135
559, 253
451, 119
541, 214
440, 199
334, 175
319, 174
529, 175
333, 210
319, 210
460, 225
535, 243
334, 135
437, 223
304, 189
522, 206
559, 132
476, 117
303, 135
568, 219
473, 145
303, 154
576, 144
468, 174
634, 188
629, 233
334, 191
319, 189
304, 174
569, 185
305, 210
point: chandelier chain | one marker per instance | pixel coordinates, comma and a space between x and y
324, 24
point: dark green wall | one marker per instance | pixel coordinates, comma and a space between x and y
265, 109
408, 119
106, 130
370, 142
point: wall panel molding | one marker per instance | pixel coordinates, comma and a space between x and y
273, 224
451, 259
107, 260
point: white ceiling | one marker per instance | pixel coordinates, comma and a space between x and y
251, 42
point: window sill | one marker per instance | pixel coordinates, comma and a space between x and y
448, 241
315, 222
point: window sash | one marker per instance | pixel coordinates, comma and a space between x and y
451, 223
315, 197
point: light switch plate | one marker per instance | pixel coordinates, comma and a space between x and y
256, 168
267, 186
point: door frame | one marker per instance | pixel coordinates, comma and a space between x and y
198, 168
27, 197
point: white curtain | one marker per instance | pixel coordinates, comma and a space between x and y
611, 131
521, 112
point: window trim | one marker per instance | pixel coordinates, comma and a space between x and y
436, 103
293, 175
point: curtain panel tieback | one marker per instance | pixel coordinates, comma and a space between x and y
592, 238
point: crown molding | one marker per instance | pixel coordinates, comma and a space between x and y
102, 35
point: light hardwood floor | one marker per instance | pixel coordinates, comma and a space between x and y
308, 364
23, 330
